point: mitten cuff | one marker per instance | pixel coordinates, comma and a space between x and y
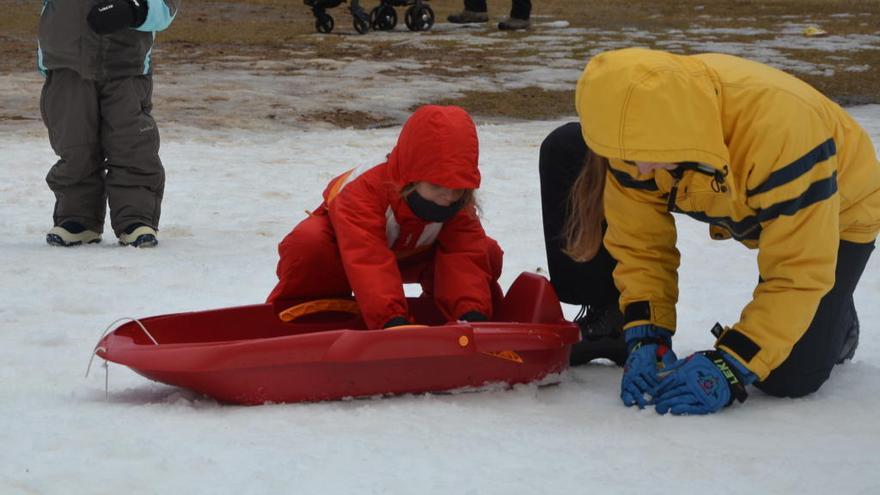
745, 375
647, 332
736, 380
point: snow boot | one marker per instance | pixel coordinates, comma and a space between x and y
601, 336
513, 23
468, 16
71, 234
139, 235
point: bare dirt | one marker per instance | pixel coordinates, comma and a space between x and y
495, 75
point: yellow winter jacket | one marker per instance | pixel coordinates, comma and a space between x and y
789, 172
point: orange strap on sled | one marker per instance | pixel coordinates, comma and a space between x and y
319, 306
404, 327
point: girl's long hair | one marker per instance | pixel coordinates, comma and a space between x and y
583, 227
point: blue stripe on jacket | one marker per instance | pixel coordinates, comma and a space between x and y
40, 66
750, 227
629, 181
797, 168
147, 57
159, 16
818, 191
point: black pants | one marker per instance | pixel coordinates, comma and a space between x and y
810, 362
589, 283
520, 9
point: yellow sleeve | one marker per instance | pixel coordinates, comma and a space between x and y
641, 236
798, 207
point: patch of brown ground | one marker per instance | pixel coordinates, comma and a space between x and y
531, 103
348, 118
277, 29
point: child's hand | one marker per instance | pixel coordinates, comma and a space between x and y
473, 316
113, 15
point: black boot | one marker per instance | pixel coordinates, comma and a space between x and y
601, 336
852, 339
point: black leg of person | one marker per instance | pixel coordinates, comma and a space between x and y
589, 284
831, 338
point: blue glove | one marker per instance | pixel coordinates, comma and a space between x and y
702, 383
650, 350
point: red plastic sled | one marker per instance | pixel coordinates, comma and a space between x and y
247, 355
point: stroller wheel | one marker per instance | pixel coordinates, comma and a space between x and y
383, 18
324, 23
361, 25
419, 18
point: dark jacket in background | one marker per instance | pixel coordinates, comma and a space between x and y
67, 42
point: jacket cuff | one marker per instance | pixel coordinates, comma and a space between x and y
743, 349
645, 312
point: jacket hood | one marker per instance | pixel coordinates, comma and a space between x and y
651, 106
439, 145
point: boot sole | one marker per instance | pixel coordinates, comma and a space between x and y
143, 241
57, 241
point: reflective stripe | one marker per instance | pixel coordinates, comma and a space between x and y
343, 180
392, 228
147, 57
337, 186
797, 168
429, 234
42, 68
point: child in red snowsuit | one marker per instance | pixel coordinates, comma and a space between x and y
410, 219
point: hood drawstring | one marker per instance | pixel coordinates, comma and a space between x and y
718, 177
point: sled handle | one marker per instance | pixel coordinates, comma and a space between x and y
107, 330
319, 306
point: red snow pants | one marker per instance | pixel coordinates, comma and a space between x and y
311, 267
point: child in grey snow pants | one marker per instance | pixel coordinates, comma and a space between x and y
96, 104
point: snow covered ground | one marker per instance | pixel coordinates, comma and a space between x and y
230, 198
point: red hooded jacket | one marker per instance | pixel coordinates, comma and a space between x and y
375, 226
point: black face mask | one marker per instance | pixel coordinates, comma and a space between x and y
429, 210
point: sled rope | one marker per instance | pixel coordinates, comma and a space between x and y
107, 330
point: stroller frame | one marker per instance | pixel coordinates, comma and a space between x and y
418, 17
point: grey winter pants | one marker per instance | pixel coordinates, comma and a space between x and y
108, 146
